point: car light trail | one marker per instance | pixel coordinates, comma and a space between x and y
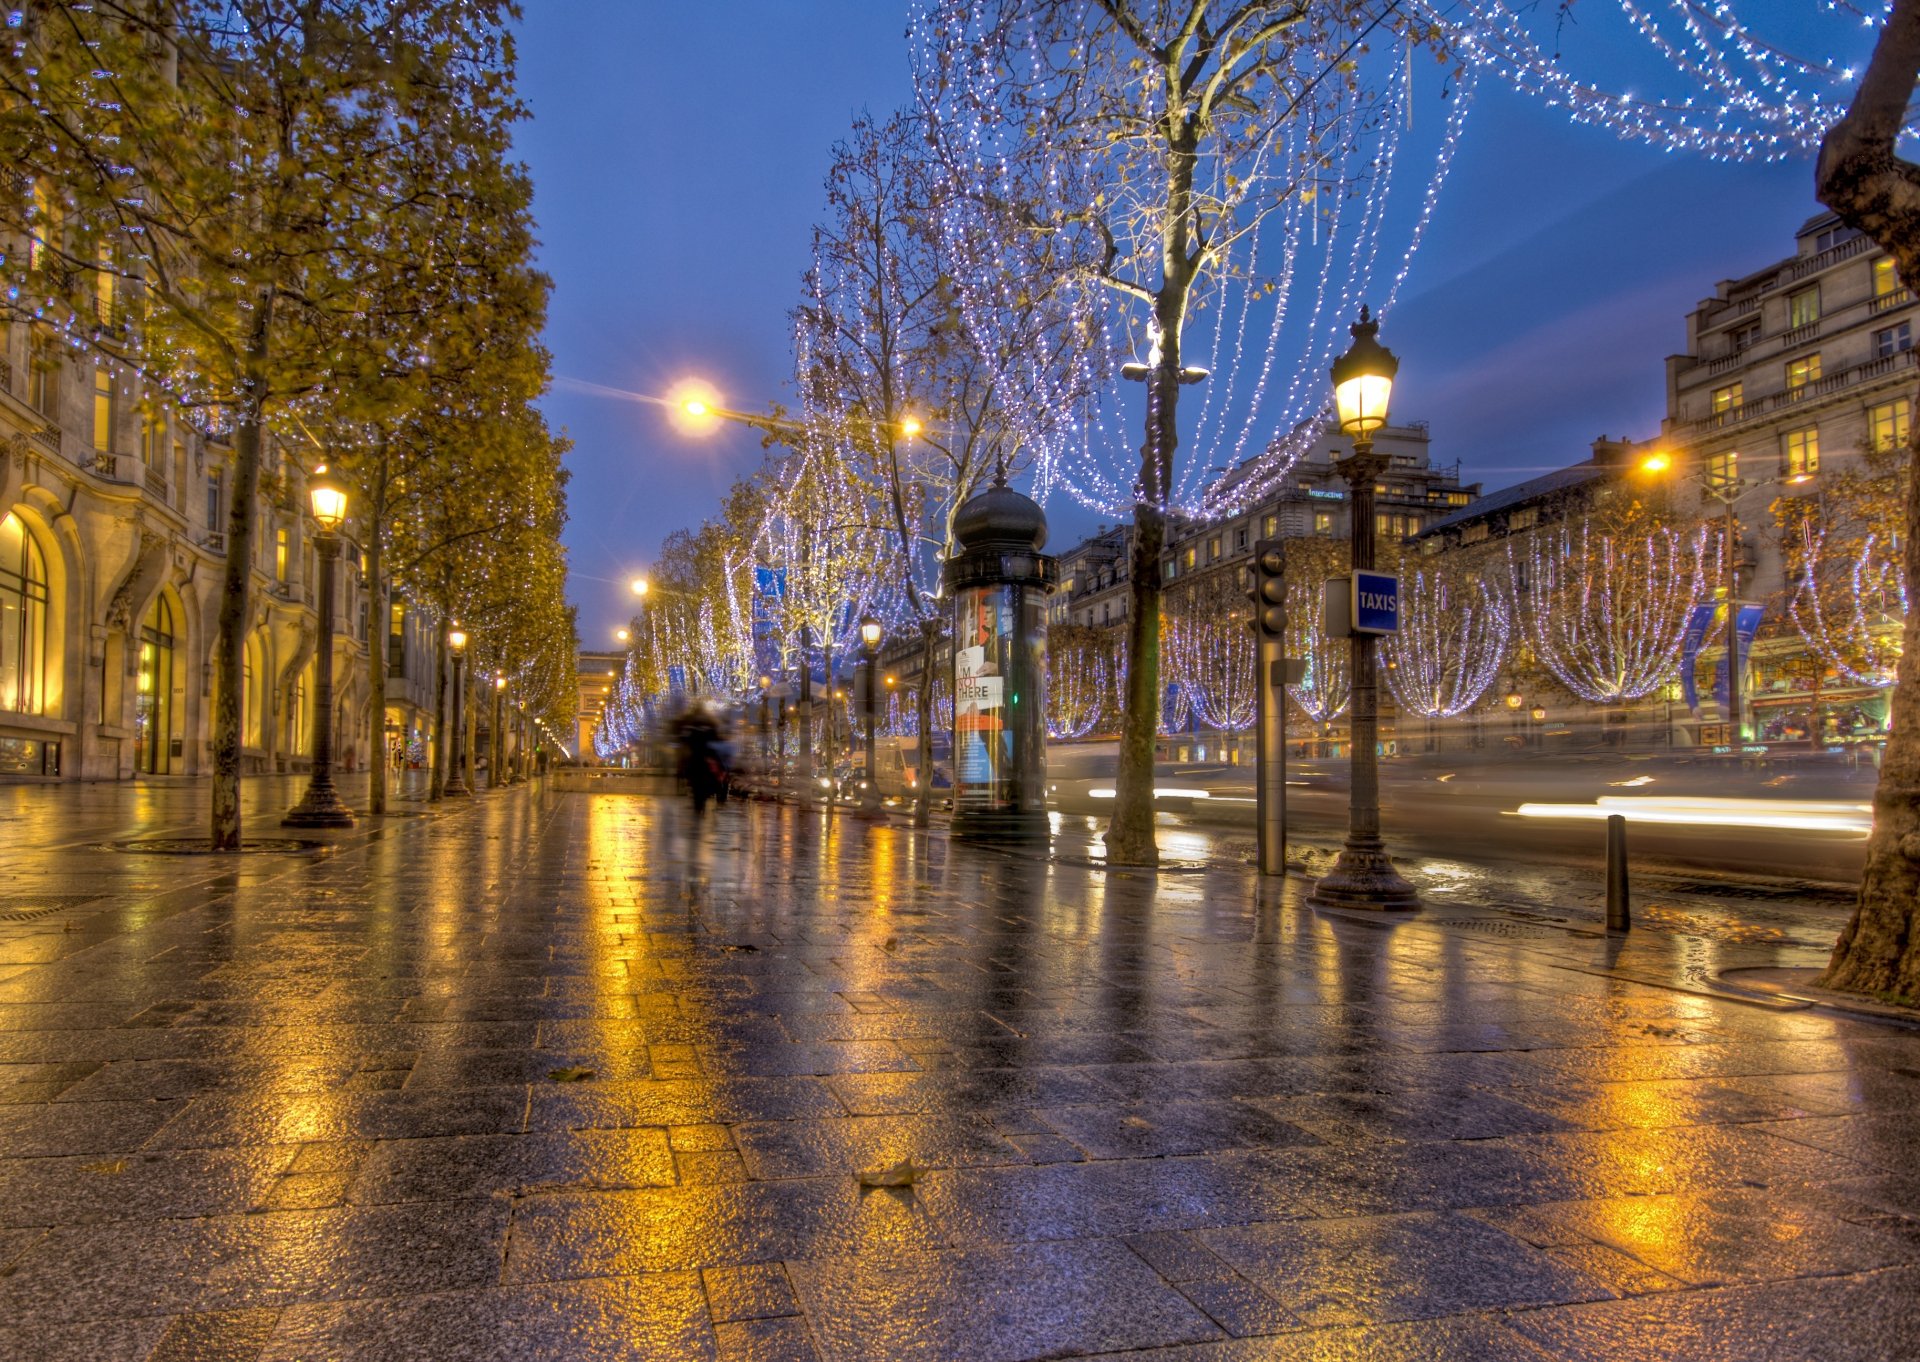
1797, 815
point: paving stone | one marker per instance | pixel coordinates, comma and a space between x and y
1048, 1299
1374, 1269
628, 1319
1874, 1317
447, 1168
754, 1291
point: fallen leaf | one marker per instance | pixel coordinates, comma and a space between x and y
105, 1166
901, 1174
569, 1075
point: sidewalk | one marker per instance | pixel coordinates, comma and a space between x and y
569, 1076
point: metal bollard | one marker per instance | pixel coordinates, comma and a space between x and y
1619, 916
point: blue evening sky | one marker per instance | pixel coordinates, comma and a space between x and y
678, 153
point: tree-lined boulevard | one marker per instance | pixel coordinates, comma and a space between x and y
1335, 909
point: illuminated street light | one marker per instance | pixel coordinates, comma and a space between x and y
456, 780
622, 635
1363, 877
910, 426
321, 806
639, 586
870, 632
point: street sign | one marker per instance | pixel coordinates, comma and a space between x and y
1376, 602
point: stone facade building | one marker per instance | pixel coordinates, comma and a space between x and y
113, 510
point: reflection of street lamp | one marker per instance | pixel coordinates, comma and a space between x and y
456, 783
870, 632
1726, 487
1363, 877
320, 807
1539, 716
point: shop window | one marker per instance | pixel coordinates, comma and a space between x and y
153, 694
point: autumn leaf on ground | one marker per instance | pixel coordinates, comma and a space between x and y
901, 1174
569, 1075
105, 1166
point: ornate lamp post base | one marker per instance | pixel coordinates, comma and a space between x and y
320, 807
1364, 877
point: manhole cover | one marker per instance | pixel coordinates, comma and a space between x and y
1496, 926
203, 846
26, 910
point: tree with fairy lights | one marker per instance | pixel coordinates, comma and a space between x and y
1456, 631
207, 186
1210, 649
1603, 599
1326, 683
1181, 175
888, 381
1079, 679
1842, 545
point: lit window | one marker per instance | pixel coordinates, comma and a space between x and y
1803, 451
1524, 519
1724, 467
1213, 549
1323, 522
43, 375
1474, 533
1889, 423
102, 410
1727, 399
1270, 527
1803, 308
1886, 279
280, 555
1188, 557
46, 227
103, 283
1802, 371
1892, 340
23, 620
153, 439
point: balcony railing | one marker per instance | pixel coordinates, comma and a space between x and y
1799, 335
6, 374
49, 437
1726, 362
1833, 255
214, 541
156, 482
1887, 302
1760, 407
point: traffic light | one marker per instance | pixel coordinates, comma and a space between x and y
1269, 589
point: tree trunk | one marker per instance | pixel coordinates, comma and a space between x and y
442, 740
1130, 834
923, 706
379, 626
1879, 952
236, 583
1861, 177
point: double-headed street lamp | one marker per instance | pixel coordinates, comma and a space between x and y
1727, 486
1363, 877
321, 806
456, 783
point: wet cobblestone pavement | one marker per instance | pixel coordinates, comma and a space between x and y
566, 1076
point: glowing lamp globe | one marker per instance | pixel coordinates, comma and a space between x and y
1515, 699
1363, 379
870, 631
329, 500
457, 640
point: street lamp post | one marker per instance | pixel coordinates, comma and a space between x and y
321, 806
496, 746
870, 631
456, 782
1363, 877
